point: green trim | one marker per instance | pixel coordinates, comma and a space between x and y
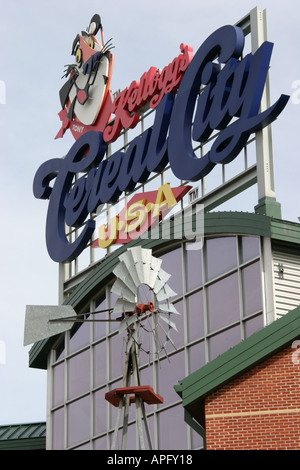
215, 223
237, 222
285, 234
257, 348
24, 444
195, 426
30, 436
269, 206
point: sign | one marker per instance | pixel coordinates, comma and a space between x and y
229, 103
143, 212
86, 95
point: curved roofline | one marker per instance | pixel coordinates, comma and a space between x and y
215, 223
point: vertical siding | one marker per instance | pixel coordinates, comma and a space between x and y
287, 282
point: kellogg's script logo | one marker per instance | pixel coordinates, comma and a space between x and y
233, 89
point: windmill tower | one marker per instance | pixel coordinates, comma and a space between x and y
144, 312
141, 285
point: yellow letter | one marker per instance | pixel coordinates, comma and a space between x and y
164, 197
136, 211
113, 235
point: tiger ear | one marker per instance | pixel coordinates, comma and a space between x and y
95, 25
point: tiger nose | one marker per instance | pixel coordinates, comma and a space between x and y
82, 96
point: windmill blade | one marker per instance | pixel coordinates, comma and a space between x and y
39, 322
137, 266
121, 289
142, 261
162, 279
165, 293
127, 322
159, 346
147, 262
168, 308
168, 337
154, 270
122, 306
128, 260
122, 272
169, 322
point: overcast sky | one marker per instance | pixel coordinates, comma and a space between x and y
36, 39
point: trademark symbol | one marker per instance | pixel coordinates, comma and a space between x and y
2, 92
296, 94
2, 353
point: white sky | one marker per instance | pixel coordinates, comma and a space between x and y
36, 39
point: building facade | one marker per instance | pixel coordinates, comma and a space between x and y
248, 398
232, 277
239, 260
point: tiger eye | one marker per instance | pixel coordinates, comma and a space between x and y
91, 42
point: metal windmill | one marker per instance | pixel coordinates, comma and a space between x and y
144, 312
145, 309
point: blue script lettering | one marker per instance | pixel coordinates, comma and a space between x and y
63, 170
233, 88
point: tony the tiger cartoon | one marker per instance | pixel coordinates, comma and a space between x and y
87, 90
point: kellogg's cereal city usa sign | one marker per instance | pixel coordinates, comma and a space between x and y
230, 103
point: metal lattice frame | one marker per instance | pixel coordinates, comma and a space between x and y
261, 172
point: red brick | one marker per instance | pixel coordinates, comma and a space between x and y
271, 386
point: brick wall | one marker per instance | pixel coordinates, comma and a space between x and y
259, 410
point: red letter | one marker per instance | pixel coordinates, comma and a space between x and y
186, 57
123, 118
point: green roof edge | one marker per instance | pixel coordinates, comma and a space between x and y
239, 359
245, 223
25, 436
24, 444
